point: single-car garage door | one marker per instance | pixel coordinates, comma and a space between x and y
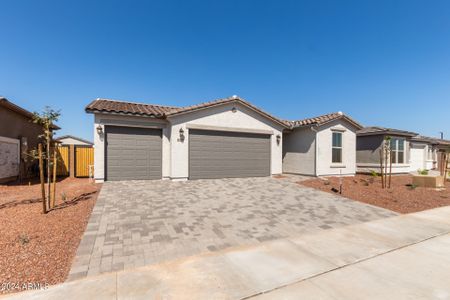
133, 153
219, 154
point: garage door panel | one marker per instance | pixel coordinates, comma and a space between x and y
133, 153
215, 154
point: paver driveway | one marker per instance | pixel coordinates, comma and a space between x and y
135, 223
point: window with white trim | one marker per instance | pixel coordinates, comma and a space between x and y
398, 150
336, 151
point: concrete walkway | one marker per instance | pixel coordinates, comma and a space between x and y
403, 257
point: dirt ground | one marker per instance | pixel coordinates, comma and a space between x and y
39, 248
401, 197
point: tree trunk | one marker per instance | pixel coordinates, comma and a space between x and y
381, 168
385, 165
54, 176
41, 175
48, 169
390, 167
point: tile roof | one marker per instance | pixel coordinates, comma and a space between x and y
129, 108
374, 130
159, 111
320, 120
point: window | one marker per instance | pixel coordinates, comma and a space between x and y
398, 150
336, 155
430, 153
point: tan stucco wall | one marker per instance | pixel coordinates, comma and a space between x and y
299, 151
14, 125
324, 149
220, 116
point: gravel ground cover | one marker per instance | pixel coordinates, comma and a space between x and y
401, 197
39, 248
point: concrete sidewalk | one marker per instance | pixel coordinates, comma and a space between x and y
403, 257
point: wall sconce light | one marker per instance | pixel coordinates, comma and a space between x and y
234, 109
99, 130
182, 134
278, 139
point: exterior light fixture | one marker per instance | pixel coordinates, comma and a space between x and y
99, 130
182, 134
234, 109
278, 139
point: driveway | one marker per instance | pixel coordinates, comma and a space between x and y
136, 223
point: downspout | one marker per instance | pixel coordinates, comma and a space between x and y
313, 128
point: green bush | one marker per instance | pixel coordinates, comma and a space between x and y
422, 172
412, 186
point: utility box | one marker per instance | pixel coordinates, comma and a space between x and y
428, 181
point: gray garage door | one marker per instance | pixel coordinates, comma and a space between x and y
216, 154
133, 153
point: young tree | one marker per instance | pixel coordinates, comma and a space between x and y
386, 162
46, 119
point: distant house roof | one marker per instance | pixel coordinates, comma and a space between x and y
75, 138
323, 119
376, 130
162, 112
431, 140
19, 110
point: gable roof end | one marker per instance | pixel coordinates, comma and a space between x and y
218, 102
324, 119
75, 138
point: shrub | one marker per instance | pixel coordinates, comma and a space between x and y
374, 173
422, 172
24, 239
412, 186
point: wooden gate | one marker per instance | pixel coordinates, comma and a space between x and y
62, 167
84, 161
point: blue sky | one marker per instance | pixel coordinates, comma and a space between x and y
382, 62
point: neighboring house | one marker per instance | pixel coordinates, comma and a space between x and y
18, 136
425, 152
73, 140
321, 146
369, 142
223, 138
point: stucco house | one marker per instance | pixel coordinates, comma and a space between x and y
321, 146
18, 136
369, 142
223, 138
424, 152
66, 140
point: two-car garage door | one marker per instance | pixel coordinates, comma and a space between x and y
220, 154
136, 154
